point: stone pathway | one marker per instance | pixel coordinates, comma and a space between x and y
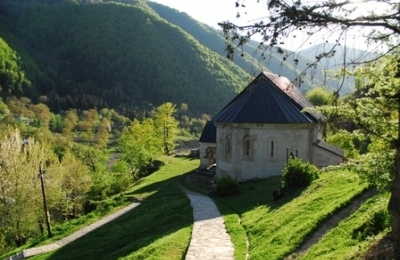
209, 237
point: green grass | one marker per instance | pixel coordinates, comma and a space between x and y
345, 241
275, 229
160, 228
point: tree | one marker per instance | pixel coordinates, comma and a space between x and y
76, 182
42, 113
167, 125
21, 205
287, 19
140, 145
319, 96
378, 19
376, 113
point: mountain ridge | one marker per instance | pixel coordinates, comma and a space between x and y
130, 55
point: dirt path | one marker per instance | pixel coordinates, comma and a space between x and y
332, 222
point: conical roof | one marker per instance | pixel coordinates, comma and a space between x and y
268, 99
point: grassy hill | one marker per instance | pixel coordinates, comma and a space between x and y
160, 227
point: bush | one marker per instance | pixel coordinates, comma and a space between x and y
375, 224
298, 174
226, 186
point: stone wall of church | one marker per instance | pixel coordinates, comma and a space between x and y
207, 158
248, 151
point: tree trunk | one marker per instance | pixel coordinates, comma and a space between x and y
394, 201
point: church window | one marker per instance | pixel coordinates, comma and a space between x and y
227, 146
272, 148
247, 146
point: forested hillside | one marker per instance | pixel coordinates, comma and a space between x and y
131, 56
276, 60
110, 54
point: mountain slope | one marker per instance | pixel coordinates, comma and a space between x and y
121, 55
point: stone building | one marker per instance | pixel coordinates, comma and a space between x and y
262, 127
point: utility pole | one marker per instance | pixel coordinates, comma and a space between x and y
46, 212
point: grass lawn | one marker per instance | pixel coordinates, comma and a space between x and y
354, 235
275, 229
160, 228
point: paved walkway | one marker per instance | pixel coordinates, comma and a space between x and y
51, 247
209, 237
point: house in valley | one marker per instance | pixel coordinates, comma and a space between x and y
254, 135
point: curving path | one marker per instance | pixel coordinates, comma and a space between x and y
66, 240
209, 237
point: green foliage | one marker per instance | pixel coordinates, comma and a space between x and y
20, 189
375, 168
319, 96
227, 186
141, 144
76, 182
346, 141
298, 174
13, 79
135, 57
375, 224
166, 126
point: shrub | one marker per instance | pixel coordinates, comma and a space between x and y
226, 186
375, 224
298, 174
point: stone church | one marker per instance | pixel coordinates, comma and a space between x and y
254, 135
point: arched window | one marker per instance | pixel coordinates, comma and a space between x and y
247, 147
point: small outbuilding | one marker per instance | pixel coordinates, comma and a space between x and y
255, 134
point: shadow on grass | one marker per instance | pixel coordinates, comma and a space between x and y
160, 215
187, 156
257, 193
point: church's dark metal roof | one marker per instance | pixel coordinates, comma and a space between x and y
209, 134
268, 99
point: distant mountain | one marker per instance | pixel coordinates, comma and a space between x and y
254, 60
342, 56
127, 54
113, 54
